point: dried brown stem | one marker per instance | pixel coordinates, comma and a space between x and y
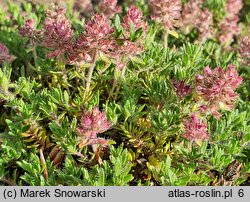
8, 182
45, 171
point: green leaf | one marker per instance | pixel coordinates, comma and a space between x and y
117, 21
131, 30
137, 34
66, 97
118, 26
25, 166
173, 33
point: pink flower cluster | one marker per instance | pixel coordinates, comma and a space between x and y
195, 130
166, 12
216, 88
181, 88
194, 17
92, 123
95, 38
134, 15
204, 25
5, 55
109, 7
28, 30
233, 7
99, 37
129, 48
229, 26
190, 14
57, 33
244, 50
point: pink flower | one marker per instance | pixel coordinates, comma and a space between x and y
194, 16
233, 7
28, 29
166, 12
57, 34
181, 88
195, 130
204, 25
190, 14
99, 141
5, 55
90, 138
97, 37
127, 48
229, 28
92, 123
216, 88
244, 50
79, 50
134, 15
97, 30
109, 7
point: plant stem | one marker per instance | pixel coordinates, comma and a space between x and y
26, 71
35, 57
114, 82
65, 77
113, 88
90, 73
123, 71
64, 74
165, 35
7, 182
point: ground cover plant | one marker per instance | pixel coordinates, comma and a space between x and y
125, 93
